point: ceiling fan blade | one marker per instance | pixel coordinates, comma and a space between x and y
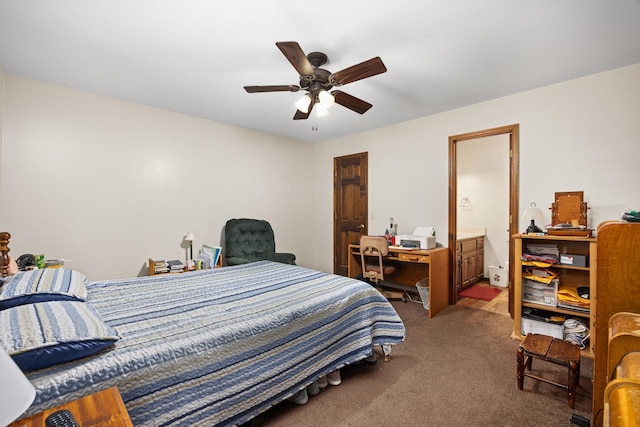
299, 115
296, 56
359, 71
277, 88
351, 102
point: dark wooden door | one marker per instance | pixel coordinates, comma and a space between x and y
350, 206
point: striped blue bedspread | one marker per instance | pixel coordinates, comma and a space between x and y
218, 347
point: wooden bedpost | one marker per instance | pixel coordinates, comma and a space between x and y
4, 251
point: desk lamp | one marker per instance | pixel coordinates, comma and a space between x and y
16, 393
190, 237
532, 213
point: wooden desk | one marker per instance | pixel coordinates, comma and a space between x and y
101, 409
411, 267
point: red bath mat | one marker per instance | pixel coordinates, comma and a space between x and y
484, 293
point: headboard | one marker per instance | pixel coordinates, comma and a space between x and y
4, 253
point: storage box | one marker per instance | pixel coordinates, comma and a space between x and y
540, 293
575, 260
544, 328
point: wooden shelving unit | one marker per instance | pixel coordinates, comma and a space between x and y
567, 274
152, 271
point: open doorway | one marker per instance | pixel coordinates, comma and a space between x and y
512, 134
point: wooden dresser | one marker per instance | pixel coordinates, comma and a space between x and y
618, 277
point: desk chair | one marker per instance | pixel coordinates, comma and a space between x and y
372, 251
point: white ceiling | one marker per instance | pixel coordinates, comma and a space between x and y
195, 56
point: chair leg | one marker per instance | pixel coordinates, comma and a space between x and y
520, 367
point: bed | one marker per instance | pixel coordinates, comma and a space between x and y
218, 347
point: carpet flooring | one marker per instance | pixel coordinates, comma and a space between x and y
457, 369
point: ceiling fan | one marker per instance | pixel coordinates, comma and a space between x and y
318, 81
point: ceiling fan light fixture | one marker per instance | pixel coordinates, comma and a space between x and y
303, 103
316, 81
326, 99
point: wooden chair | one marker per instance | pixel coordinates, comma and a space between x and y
373, 249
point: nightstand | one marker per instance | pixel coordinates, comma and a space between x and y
152, 270
101, 409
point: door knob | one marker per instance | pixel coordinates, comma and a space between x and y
360, 227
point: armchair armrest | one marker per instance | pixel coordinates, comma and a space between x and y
236, 260
283, 257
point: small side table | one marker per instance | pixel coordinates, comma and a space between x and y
152, 270
552, 350
101, 409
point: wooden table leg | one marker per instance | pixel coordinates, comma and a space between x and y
573, 381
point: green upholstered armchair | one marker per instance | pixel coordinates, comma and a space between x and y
248, 240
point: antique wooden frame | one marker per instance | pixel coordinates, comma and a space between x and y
569, 208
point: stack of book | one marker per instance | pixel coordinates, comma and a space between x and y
175, 266
160, 266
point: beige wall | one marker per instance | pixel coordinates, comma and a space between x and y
577, 135
110, 183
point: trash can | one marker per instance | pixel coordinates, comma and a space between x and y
423, 290
498, 276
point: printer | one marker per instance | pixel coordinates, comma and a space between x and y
422, 237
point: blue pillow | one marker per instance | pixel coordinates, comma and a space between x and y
48, 333
45, 284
